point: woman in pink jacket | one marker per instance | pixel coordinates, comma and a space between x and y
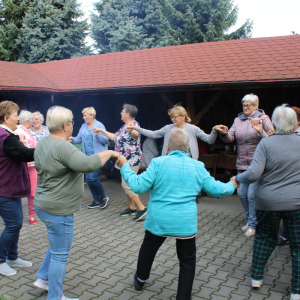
247, 138
26, 120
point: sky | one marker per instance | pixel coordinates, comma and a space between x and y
270, 17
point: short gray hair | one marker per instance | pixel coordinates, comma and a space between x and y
40, 116
25, 116
178, 140
284, 119
57, 116
131, 109
252, 98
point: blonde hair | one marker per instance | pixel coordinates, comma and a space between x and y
90, 111
181, 111
57, 116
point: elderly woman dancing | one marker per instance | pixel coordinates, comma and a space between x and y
247, 139
14, 185
93, 142
26, 120
277, 166
129, 144
180, 119
60, 167
38, 130
174, 180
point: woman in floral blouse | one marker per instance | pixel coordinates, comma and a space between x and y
38, 130
26, 120
128, 143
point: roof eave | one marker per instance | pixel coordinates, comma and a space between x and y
152, 88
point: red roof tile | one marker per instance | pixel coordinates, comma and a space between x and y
261, 59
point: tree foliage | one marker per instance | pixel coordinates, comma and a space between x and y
11, 21
52, 31
120, 25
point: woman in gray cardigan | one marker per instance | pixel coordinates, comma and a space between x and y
180, 119
276, 166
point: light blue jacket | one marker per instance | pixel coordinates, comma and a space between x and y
174, 182
100, 143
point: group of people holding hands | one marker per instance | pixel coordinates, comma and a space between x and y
267, 182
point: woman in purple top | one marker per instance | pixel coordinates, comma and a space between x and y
14, 185
128, 143
247, 139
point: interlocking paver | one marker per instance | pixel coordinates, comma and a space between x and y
105, 248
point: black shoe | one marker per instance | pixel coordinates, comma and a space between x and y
138, 285
94, 205
128, 212
281, 241
140, 215
103, 202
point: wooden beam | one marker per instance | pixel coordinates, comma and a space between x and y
167, 100
190, 105
208, 105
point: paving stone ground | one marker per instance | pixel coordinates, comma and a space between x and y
104, 253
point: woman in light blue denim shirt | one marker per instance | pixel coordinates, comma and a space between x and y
93, 143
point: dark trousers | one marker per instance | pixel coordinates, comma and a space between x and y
12, 215
186, 253
265, 241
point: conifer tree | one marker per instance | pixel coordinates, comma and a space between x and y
120, 25
11, 21
52, 31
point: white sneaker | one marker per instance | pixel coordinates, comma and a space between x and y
256, 283
66, 298
295, 297
6, 270
244, 228
250, 232
41, 284
19, 263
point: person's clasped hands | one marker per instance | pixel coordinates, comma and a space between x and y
236, 184
222, 129
119, 158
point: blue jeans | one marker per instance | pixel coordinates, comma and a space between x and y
12, 215
53, 267
246, 194
95, 185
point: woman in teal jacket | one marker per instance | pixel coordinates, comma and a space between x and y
174, 182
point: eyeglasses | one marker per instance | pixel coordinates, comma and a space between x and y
247, 105
71, 122
175, 117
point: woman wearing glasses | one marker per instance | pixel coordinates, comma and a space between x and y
180, 119
92, 142
59, 194
247, 138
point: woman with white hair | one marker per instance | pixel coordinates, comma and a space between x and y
93, 142
26, 120
38, 130
60, 168
277, 166
247, 139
